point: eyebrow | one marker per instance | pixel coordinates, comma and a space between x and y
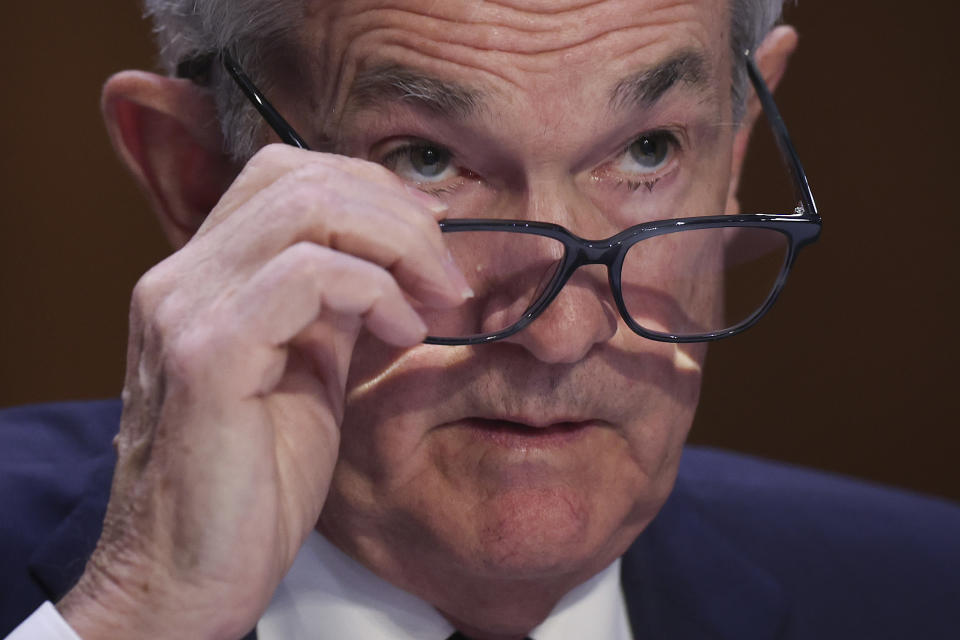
396, 83
644, 88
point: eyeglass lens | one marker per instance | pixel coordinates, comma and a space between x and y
684, 283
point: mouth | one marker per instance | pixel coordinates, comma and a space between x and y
514, 434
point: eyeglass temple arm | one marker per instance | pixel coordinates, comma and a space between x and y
787, 150
267, 110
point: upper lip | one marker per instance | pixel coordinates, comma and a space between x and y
538, 422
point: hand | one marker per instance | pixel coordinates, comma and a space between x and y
238, 355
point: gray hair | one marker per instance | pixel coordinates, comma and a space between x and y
254, 30
750, 22
258, 29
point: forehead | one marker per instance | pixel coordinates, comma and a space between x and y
512, 48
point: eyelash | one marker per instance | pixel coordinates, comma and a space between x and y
405, 150
436, 191
615, 178
634, 185
402, 151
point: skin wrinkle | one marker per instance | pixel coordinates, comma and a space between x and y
413, 497
529, 46
477, 7
704, 100
373, 88
478, 384
347, 36
500, 76
562, 387
386, 116
550, 26
645, 88
471, 35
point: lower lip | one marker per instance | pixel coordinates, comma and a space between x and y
517, 435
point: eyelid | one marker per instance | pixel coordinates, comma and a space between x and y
389, 145
396, 148
675, 137
611, 174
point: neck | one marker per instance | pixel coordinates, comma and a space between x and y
485, 599
492, 608
505, 612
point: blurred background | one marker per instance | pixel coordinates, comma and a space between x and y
854, 371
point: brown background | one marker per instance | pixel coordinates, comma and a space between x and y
854, 371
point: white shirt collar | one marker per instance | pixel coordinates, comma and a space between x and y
328, 595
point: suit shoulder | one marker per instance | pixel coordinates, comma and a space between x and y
49, 456
749, 548
46, 453
47, 450
741, 488
59, 431
828, 537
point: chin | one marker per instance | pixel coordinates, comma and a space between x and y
536, 534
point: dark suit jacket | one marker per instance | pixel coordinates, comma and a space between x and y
743, 549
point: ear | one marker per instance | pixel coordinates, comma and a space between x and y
771, 58
166, 132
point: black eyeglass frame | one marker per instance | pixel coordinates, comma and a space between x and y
801, 227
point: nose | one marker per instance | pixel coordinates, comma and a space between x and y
581, 316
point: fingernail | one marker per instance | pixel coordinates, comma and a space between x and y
430, 202
456, 276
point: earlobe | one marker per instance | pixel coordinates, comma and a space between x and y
165, 131
771, 58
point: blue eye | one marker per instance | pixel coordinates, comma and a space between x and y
429, 161
420, 163
649, 152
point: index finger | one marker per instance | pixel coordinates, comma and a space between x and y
276, 160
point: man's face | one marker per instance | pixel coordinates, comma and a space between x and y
537, 459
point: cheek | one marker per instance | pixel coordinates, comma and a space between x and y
395, 397
656, 438
390, 396
663, 388
404, 490
673, 283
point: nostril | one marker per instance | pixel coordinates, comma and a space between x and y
582, 315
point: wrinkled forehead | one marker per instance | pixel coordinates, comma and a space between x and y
511, 48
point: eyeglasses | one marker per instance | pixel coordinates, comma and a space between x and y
664, 275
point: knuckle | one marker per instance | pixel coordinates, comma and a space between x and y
371, 170
149, 292
382, 282
305, 259
426, 225
312, 174
148, 286
167, 316
414, 238
268, 156
406, 238
300, 196
193, 353
290, 205
361, 169
184, 355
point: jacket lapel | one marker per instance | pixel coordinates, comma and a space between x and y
684, 579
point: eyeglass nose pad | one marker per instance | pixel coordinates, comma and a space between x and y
582, 315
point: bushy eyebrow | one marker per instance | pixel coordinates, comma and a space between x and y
395, 83
644, 88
